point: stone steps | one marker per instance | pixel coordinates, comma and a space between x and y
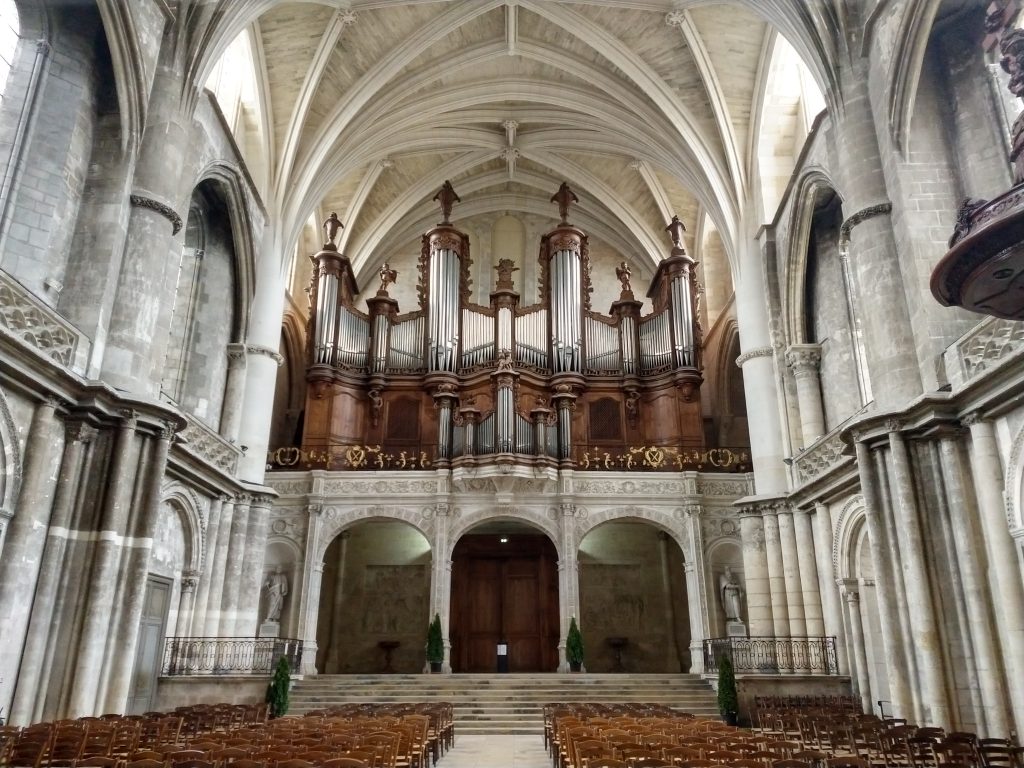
507, 703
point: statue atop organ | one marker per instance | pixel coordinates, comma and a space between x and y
452, 382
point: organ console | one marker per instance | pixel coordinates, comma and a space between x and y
454, 383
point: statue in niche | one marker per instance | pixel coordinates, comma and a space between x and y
732, 595
387, 277
376, 403
332, 226
623, 273
633, 408
276, 587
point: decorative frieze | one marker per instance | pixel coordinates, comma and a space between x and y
753, 354
202, 442
32, 322
819, 458
161, 208
988, 345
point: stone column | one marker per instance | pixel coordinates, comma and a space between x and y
219, 555
896, 664
805, 360
234, 563
26, 538
198, 625
776, 573
101, 603
755, 572
186, 603
808, 572
765, 431
332, 664
120, 650
977, 598
568, 579
29, 692
252, 575
1004, 575
856, 624
441, 579
830, 602
927, 641
791, 574
136, 340
234, 392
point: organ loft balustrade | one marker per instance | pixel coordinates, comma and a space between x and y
554, 384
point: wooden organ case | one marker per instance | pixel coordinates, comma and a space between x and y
456, 383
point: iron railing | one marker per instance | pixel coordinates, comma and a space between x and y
772, 655
213, 656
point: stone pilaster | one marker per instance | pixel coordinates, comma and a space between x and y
791, 575
896, 664
760, 619
927, 641
1004, 572
776, 571
441, 578
332, 664
804, 360
234, 564
29, 692
832, 612
309, 595
219, 554
568, 579
197, 627
26, 538
856, 623
252, 577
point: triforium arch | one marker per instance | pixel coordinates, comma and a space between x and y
10, 465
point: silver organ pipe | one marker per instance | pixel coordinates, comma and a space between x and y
326, 317
627, 342
458, 442
531, 346
602, 345
505, 328
353, 338
444, 430
477, 338
566, 283
406, 351
444, 309
564, 432
655, 343
682, 320
525, 441
505, 418
381, 327
485, 436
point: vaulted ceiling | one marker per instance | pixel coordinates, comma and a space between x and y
648, 108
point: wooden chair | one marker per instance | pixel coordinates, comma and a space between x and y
848, 761
345, 762
145, 763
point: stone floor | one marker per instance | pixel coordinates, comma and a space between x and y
480, 751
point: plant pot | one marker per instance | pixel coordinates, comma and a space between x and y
435, 667
575, 666
731, 718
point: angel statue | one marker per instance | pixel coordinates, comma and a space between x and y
623, 273
387, 277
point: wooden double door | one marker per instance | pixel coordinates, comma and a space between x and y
504, 592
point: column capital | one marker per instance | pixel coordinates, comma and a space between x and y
972, 418
236, 355
804, 359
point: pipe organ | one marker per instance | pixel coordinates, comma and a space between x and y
455, 382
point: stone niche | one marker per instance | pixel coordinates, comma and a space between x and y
376, 587
632, 586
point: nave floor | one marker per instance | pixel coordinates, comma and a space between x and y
483, 751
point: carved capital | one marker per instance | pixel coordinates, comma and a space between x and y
971, 419
804, 359
80, 432
236, 355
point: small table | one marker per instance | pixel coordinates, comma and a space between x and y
388, 646
617, 644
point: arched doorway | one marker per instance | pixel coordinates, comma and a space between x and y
504, 590
633, 602
375, 590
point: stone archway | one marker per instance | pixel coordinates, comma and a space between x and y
504, 591
633, 599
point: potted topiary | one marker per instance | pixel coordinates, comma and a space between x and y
277, 691
574, 646
435, 644
728, 699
